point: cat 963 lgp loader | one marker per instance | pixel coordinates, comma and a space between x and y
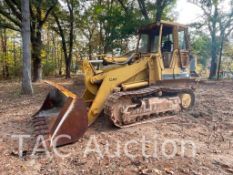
149, 83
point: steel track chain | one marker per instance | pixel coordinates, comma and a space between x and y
117, 96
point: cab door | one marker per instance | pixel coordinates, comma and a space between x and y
169, 52
183, 49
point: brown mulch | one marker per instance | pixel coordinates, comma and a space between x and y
209, 125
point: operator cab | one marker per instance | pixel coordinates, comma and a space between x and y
166, 38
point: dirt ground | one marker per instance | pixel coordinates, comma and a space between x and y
207, 131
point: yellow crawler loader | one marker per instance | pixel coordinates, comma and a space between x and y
149, 83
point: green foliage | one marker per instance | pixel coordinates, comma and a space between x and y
165, 7
201, 46
49, 68
99, 27
105, 24
227, 60
10, 53
218, 21
108, 24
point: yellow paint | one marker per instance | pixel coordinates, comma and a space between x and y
130, 86
143, 71
186, 100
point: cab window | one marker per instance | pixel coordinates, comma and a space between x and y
167, 39
182, 40
143, 43
167, 46
154, 43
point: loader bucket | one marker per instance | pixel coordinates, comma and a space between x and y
62, 119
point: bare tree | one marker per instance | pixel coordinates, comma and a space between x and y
226, 27
67, 40
217, 22
143, 9
4, 41
26, 38
159, 6
11, 18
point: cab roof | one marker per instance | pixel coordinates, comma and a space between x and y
165, 23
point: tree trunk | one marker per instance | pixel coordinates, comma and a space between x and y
101, 38
143, 9
71, 38
160, 6
5, 68
60, 63
5, 56
68, 50
15, 58
37, 69
26, 38
213, 68
159, 13
36, 57
90, 50
68, 64
2, 50
159, 10
220, 56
